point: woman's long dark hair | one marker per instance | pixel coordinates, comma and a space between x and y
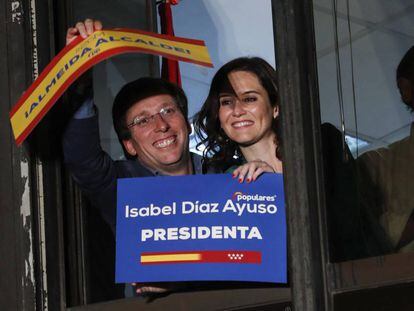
223, 152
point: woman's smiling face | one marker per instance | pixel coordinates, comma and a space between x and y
246, 114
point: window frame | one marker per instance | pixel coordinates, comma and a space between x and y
314, 284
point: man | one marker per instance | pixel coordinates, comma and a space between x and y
391, 171
149, 116
150, 119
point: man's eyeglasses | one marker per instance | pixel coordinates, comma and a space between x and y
144, 121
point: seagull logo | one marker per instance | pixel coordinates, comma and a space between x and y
236, 194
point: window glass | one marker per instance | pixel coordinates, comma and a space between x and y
367, 137
110, 75
98, 243
229, 30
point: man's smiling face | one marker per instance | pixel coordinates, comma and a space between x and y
159, 136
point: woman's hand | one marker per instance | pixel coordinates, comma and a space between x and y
83, 29
251, 170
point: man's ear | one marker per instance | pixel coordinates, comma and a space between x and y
129, 147
406, 90
275, 112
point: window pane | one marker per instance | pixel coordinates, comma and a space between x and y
98, 243
367, 138
110, 75
206, 19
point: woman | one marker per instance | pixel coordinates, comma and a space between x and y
238, 122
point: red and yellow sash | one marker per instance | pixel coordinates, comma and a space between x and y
82, 54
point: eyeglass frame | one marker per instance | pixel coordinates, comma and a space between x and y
163, 113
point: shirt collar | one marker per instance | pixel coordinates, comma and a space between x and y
196, 161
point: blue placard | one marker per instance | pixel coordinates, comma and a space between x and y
201, 227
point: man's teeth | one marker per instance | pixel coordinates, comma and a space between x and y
165, 143
243, 123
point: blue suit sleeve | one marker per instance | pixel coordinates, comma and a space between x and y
92, 168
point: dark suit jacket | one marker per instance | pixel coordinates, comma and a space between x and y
95, 171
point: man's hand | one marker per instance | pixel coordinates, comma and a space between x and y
150, 289
251, 170
83, 29
156, 288
81, 91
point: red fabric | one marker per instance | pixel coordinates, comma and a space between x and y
170, 69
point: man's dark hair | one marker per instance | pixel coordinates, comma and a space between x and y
140, 89
405, 70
